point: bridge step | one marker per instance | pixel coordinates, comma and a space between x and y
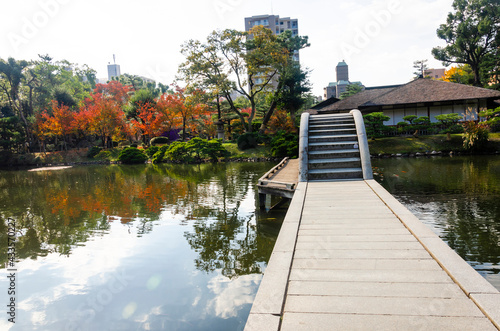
336, 145
331, 125
348, 162
345, 121
342, 153
332, 138
341, 173
323, 131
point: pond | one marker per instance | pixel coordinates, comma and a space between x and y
136, 247
457, 197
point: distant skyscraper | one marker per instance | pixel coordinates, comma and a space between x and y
276, 24
113, 71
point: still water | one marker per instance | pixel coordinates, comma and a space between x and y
136, 247
457, 197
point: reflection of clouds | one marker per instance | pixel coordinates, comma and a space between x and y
87, 268
231, 295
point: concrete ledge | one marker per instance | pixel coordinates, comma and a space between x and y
268, 304
259, 322
490, 305
485, 295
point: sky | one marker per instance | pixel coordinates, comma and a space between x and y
379, 39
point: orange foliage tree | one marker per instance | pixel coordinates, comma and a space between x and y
281, 121
104, 117
151, 122
60, 123
185, 107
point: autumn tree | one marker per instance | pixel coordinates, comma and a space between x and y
185, 106
461, 74
60, 123
104, 117
471, 33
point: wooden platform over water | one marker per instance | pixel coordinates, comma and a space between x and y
280, 180
349, 256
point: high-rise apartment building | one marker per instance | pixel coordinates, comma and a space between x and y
276, 24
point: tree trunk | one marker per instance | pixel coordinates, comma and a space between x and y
267, 118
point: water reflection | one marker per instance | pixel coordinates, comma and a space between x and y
458, 198
137, 247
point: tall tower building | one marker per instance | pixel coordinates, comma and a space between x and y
276, 24
342, 70
335, 89
113, 69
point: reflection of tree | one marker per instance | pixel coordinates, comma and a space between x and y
466, 189
55, 211
220, 247
224, 239
473, 232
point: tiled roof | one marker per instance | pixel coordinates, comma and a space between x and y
417, 91
355, 100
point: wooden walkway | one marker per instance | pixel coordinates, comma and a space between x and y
349, 256
279, 181
287, 174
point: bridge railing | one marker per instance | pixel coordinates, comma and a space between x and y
364, 151
304, 147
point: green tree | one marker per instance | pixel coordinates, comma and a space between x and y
140, 99
375, 123
420, 67
352, 89
12, 76
292, 95
471, 33
250, 64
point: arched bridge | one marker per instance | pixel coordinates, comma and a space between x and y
349, 256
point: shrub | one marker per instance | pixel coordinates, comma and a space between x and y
448, 119
248, 140
104, 155
177, 151
93, 151
159, 141
159, 155
410, 118
375, 123
196, 149
151, 151
285, 144
455, 128
422, 120
132, 155
475, 135
256, 126
213, 149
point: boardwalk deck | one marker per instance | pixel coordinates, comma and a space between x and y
350, 257
279, 181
